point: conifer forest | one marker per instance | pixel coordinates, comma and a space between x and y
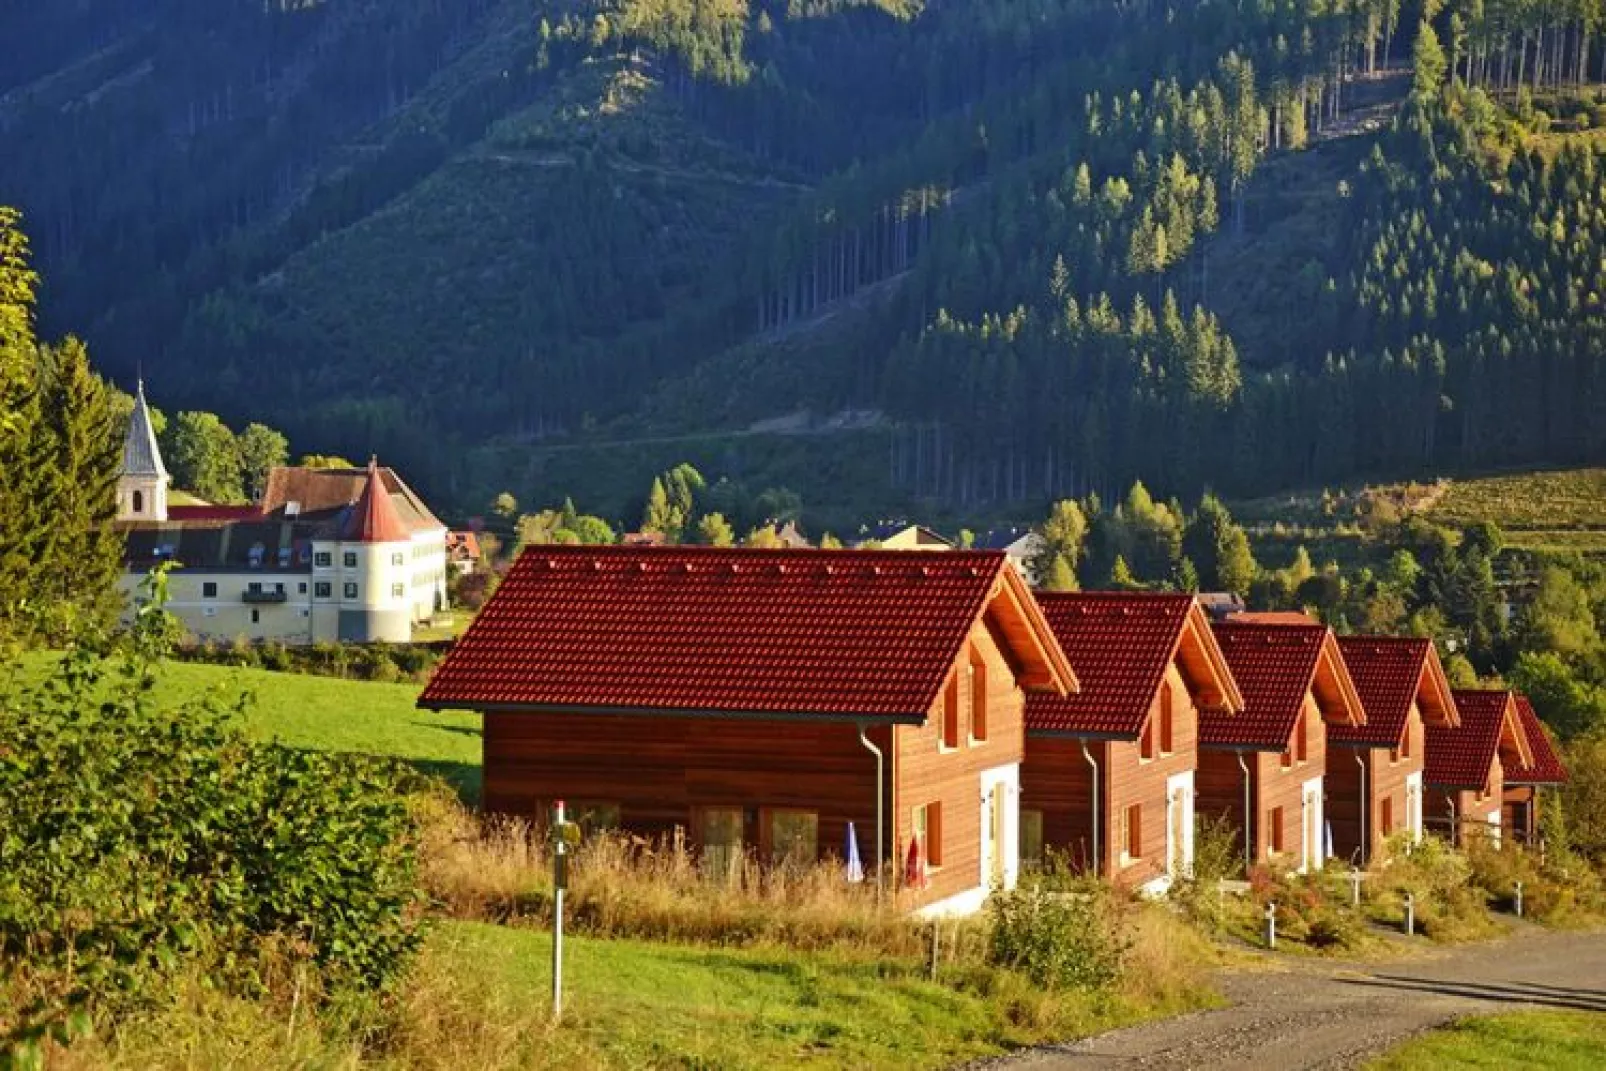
1039, 248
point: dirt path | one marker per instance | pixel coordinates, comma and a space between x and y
1304, 1014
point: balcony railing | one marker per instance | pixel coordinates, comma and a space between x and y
275, 595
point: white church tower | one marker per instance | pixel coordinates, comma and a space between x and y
142, 483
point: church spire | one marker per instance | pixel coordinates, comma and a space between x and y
141, 455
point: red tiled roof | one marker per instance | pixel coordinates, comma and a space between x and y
1272, 617
1546, 768
213, 513
1275, 667
734, 631
1120, 644
463, 546
1462, 757
373, 519
1388, 673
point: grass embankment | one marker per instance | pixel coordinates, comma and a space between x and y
329, 714
1539, 1041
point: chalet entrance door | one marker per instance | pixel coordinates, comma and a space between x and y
995, 835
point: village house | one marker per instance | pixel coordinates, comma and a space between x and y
1263, 768
901, 535
1109, 772
1375, 785
1520, 812
1467, 766
759, 701
327, 555
1021, 545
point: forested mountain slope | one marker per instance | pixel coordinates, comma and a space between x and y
1056, 243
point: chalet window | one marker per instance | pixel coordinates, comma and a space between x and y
927, 827
351, 591
322, 559
978, 699
1146, 742
793, 836
950, 713
1031, 837
256, 617
720, 834
301, 588
1385, 818
1132, 833
1165, 718
1301, 733
322, 589
209, 590
1275, 825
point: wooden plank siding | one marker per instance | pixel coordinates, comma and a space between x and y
1387, 773
926, 772
660, 770
1519, 813
1474, 808
1220, 787
1057, 781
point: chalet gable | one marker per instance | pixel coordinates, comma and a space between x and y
1278, 665
1390, 673
1122, 644
1490, 730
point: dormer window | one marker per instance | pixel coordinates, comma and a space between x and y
254, 555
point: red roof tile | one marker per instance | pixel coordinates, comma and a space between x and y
1275, 667
1462, 757
1546, 768
213, 513
373, 519
734, 631
1388, 674
1120, 644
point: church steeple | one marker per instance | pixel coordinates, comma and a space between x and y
142, 483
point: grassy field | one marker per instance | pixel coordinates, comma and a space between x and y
1540, 1041
480, 999
329, 714
1557, 500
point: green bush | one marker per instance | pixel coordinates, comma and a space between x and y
138, 837
1061, 934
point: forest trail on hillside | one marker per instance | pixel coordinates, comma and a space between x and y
1321, 1015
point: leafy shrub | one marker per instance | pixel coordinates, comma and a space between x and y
1217, 857
138, 837
1448, 905
1061, 934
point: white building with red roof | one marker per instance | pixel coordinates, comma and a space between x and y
328, 555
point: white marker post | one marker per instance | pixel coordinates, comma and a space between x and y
560, 879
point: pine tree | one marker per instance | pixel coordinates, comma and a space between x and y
659, 515
1428, 61
1060, 576
81, 433
1121, 578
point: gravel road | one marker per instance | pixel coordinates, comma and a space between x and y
1311, 1014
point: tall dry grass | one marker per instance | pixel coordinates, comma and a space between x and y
500, 870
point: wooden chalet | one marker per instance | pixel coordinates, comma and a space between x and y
1520, 809
1264, 769
758, 701
1109, 771
1466, 766
1375, 771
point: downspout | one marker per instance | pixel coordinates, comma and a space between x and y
1098, 860
1363, 806
1249, 837
1449, 799
880, 804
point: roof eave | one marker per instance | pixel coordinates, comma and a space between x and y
669, 712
